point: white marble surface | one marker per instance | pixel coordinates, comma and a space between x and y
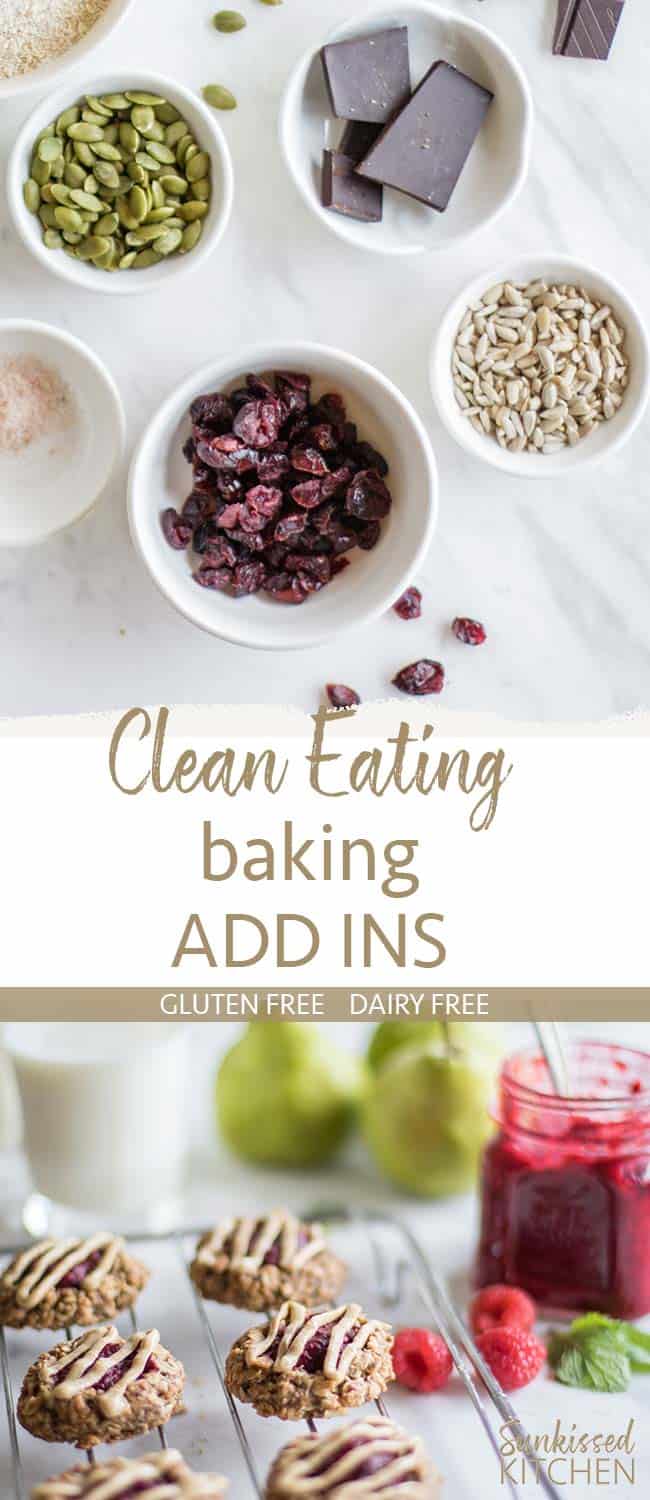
559, 575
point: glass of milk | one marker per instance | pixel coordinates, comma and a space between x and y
106, 1122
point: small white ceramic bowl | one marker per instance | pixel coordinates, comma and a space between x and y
609, 435
58, 478
497, 165
50, 73
160, 477
208, 134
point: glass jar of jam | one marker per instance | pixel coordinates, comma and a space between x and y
566, 1183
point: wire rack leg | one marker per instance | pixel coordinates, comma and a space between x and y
18, 1478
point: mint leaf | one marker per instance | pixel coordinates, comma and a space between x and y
606, 1368
598, 1353
571, 1368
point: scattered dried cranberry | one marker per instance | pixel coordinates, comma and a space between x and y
281, 489
469, 631
421, 677
409, 605
341, 696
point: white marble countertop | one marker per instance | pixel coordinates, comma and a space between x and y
560, 575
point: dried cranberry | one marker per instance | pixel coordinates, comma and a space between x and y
196, 509
409, 605
313, 572
323, 436
213, 578
334, 483
331, 408
204, 479
308, 461
341, 696
421, 677
176, 531
213, 410
322, 518
469, 631
308, 494
189, 449
229, 516
248, 578
368, 536
258, 423
368, 457
343, 537
259, 386
285, 589
349, 437
271, 467
265, 500
367, 496
229, 486
240, 397
294, 389
227, 453
290, 526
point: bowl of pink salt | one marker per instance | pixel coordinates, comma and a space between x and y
61, 430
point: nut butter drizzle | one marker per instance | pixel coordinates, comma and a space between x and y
165, 1474
85, 1368
332, 1457
41, 1268
296, 1326
251, 1239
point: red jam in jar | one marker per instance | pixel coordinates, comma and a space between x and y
566, 1183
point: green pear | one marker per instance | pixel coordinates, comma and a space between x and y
426, 1117
464, 1036
286, 1096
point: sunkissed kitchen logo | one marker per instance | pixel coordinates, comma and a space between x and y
568, 1456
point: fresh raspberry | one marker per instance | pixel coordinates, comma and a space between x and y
501, 1307
514, 1356
421, 1359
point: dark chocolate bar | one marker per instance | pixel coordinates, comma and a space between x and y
423, 151
586, 28
346, 193
357, 138
368, 77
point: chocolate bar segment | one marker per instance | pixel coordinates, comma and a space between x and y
346, 193
424, 150
586, 28
357, 138
368, 77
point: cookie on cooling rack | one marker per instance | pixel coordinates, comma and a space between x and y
166, 1474
59, 1283
101, 1388
261, 1262
311, 1364
371, 1456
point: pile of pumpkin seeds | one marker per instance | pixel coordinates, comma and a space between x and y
119, 182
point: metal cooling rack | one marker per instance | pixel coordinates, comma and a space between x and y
394, 1263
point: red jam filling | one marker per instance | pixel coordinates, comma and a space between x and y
566, 1185
373, 1464
115, 1373
312, 1358
78, 1273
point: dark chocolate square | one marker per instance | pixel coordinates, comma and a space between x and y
357, 138
423, 151
346, 193
368, 77
586, 28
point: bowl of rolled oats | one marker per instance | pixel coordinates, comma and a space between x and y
541, 366
42, 41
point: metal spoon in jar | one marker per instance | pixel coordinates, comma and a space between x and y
550, 1041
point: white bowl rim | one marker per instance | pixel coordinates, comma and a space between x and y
336, 222
260, 355
49, 73
51, 106
520, 465
61, 336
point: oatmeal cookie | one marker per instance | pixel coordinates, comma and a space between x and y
101, 1388
311, 1364
258, 1263
368, 1457
163, 1473
59, 1283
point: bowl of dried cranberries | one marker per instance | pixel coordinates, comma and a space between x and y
283, 495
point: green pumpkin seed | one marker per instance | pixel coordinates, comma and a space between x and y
198, 166
69, 117
136, 173
86, 200
219, 97
46, 216
125, 215
138, 203
175, 132
41, 172
60, 193
202, 188
72, 239
193, 210
52, 239
159, 215
99, 106
70, 250
172, 185
136, 97
90, 183
166, 113
157, 194
182, 146
169, 241
145, 258
271, 2
83, 153
112, 134
108, 224
161, 154
32, 195
50, 149
69, 218
84, 132
49, 130
126, 261
191, 152
175, 223
106, 260
105, 151
92, 119
106, 174
46, 193
229, 20
114, 101
142, 116
58, 168
96, 244
74, 175
129, 137
155, 132
191, 236
148, 162
145, 234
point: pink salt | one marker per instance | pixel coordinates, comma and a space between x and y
34, 402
